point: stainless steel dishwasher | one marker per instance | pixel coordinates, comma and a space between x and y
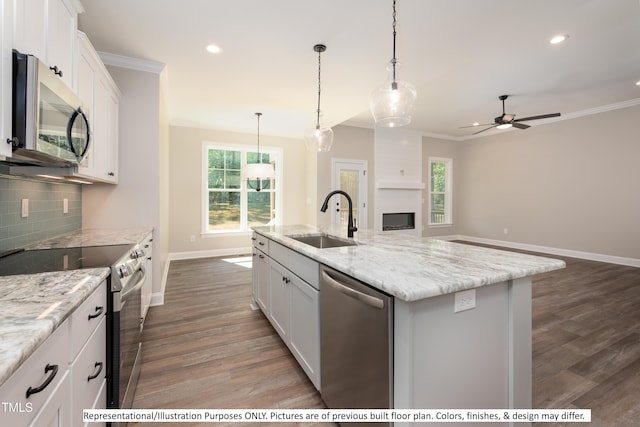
356, 327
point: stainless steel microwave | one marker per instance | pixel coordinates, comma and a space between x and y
50, 127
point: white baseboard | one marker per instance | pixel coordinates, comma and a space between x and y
209, 253
612, 259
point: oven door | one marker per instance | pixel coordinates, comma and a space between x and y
124, 341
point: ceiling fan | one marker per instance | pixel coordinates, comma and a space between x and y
507, 120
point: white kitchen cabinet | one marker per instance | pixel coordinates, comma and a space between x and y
68, 368
101, 97
6, 43
47, 29
147, 288
292, 303
44, 377
280, 299
305, 328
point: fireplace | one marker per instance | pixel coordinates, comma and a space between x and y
398, 221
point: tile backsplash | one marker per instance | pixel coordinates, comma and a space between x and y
46, 217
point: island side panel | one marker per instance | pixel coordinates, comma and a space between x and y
459, 360
520, 353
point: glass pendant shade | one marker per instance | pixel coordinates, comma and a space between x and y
393, 103
319, 139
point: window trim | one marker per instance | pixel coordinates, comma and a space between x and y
448, 192
276, 154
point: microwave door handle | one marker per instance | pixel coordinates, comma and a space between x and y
72, 119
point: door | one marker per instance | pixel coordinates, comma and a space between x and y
350, 175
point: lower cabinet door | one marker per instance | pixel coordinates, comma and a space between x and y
56, 412
279, 299
88, 372
305, 328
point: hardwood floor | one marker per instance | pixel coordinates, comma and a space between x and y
205, 348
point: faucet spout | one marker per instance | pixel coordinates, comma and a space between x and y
351, 227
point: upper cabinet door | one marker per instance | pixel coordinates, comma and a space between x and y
47, 30
61, 35
5, 77
30, 27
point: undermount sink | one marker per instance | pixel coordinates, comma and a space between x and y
322, 240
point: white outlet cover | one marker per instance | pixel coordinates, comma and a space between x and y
25, 208
464, 300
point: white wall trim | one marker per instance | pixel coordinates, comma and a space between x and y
131, 63
611, 259
209, 253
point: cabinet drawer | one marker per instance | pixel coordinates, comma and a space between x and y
261, 242
88, 373
86, 318
53, 353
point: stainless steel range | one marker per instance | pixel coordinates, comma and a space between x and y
123, 303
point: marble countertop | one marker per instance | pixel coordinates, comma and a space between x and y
413, 268
34, 305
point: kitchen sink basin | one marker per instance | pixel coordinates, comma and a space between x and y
322, 240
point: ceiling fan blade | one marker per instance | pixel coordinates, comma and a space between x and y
520, 125
480, 131
543, 116
475, 126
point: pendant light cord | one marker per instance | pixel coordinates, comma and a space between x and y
394, 60
318, 48
259, 158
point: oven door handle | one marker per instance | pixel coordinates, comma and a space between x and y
127, 291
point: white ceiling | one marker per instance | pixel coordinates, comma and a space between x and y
460, 54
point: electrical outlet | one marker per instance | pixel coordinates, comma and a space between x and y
465, 300
25, 208
65, 206
505, 231
192, 238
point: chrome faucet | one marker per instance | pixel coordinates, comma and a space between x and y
351, 227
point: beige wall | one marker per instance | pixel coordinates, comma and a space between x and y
139, 198
348, 143
433, 147
185, 188
572, 184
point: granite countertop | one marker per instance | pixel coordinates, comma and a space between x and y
413, 268
34, 305
93, 237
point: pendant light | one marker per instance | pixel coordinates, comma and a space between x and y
319, 138
393, 103
258, 171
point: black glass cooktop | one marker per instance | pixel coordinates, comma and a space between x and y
61, 259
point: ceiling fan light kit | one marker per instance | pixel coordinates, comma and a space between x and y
505, 121
393, 103
319, 138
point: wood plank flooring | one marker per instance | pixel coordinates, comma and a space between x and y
205, 348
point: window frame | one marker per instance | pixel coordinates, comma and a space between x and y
276, 155
448, 192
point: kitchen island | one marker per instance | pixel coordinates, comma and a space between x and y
461, 315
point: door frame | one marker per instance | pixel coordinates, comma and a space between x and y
337, 164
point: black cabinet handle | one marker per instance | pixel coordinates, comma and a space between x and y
99, 310
56, 70
49, 368
261, 243
94, 376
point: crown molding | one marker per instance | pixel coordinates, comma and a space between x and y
137, 64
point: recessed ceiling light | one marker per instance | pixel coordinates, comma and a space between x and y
559, 38
638, 83
476, 124
212, 48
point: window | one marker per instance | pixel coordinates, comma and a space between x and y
230, 205
440, 190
